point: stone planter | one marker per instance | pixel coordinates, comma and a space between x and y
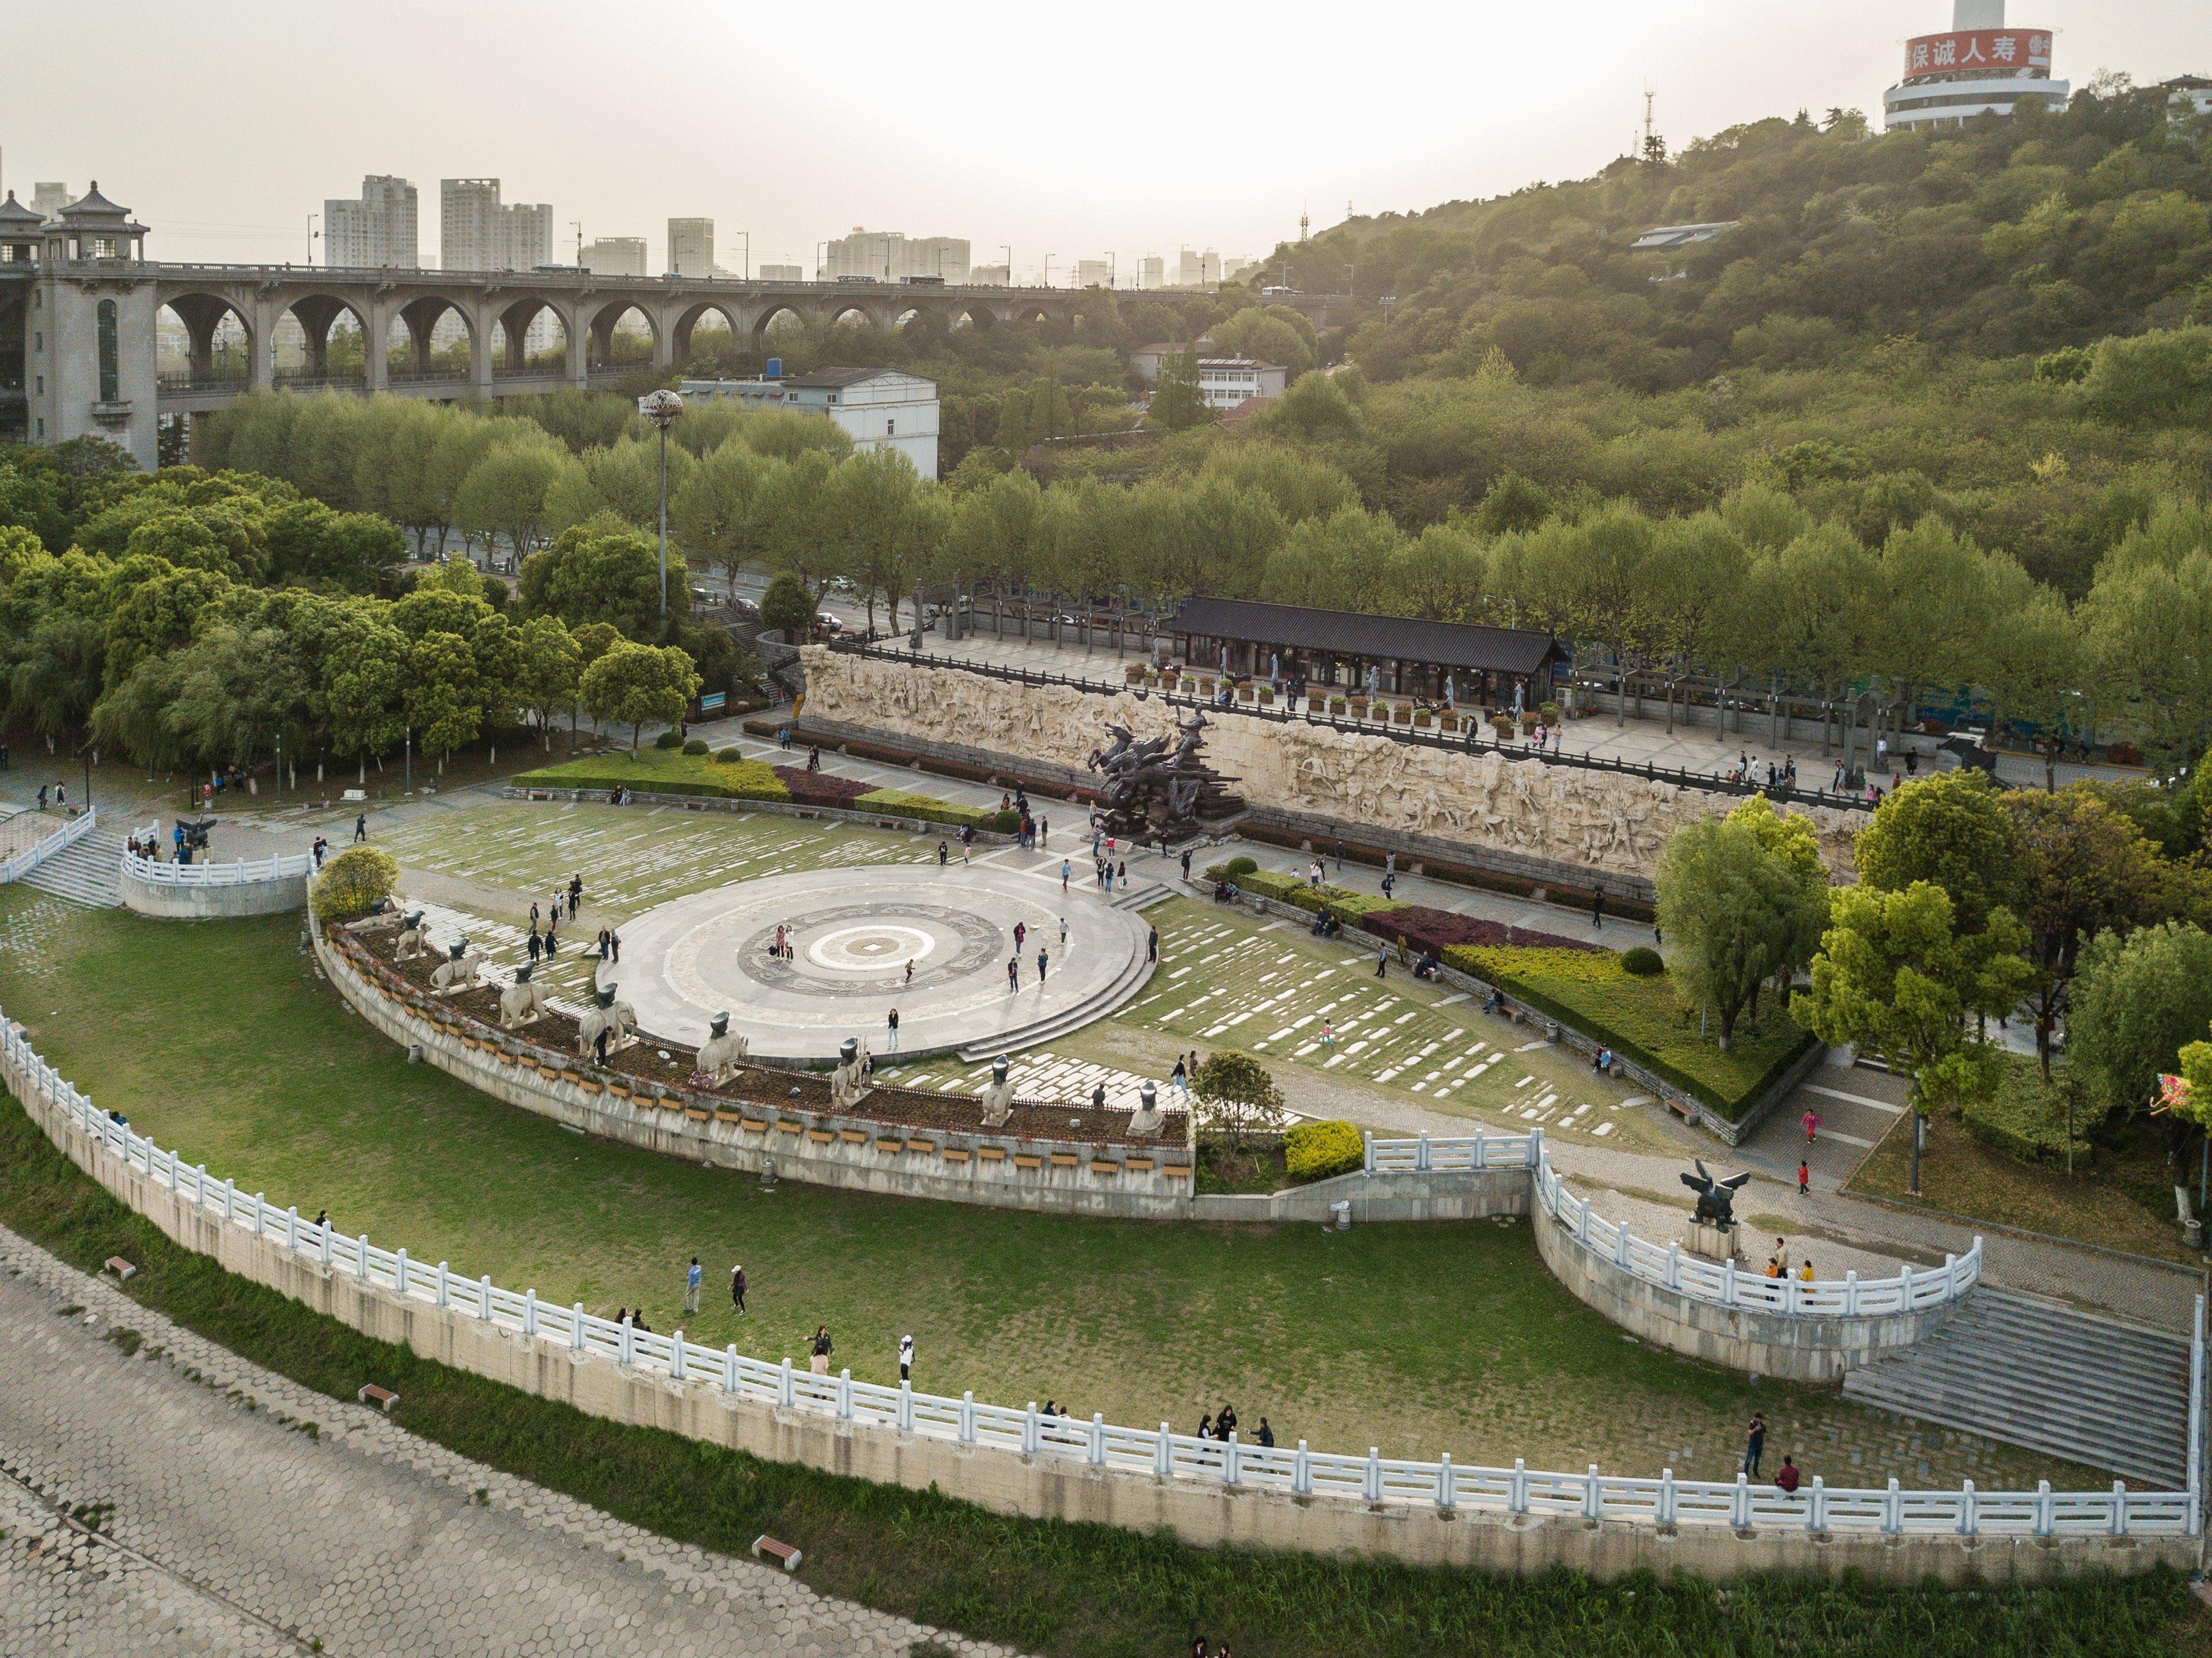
1402, 714
1336, 705
1358, 707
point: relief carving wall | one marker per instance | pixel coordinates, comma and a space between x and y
1594, 820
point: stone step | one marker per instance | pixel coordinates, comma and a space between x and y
88, 872
2037, 1374
1130, 981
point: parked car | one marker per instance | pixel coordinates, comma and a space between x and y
828, 623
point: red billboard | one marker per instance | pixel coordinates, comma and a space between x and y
2002, 53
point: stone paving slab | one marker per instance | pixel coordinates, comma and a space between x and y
226, 1525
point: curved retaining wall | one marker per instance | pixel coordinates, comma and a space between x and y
1016, 1462
192, 892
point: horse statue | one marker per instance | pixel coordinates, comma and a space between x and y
618, 1019
998, 1096
413, 940
720, 1053
457, 973
849, 1081
1716, 1197
521, 1002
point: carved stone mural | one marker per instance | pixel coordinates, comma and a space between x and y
1596, 820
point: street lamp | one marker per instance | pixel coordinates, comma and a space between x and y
1047, 281
748, 236
1008, 248
662, 409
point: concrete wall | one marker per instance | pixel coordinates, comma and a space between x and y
190, 902
1006, 1482
1764, 1344
1443, 1194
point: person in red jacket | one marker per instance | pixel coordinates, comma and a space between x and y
1787, 1478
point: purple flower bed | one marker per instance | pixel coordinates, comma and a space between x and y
820, 788
1440, 930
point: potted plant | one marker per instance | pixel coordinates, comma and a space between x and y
1133, 673
1168, 679
1206, 685
1244, 692
1401, 714
1336, 704
1421, 718
1529, 723
1501, 727
1448, 721
1267, 695
1356, 707
1549, 714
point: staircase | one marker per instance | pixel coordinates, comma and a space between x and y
88, 872
2039, 1374
1054, 1025
1140, 894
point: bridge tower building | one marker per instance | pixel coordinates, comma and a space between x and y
88, 366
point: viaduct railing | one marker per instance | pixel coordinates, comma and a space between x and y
1466, 742
1372, 1481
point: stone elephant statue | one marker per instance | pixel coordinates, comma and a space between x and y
457, 973
414, 939
720, 1053
618, 1019
521, 1002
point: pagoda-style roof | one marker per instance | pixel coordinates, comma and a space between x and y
15, 216
95, 212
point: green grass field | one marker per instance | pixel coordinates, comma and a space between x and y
217, 1039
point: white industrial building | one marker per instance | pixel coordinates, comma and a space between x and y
877, 408
1226, 382
1979, 68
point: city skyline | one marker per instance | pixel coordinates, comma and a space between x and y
1489, 104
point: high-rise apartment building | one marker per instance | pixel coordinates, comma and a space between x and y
1152, 271
1191, 270
476, 233
615, 256
888, 255
375, 232
691, 248
48, 200
1094, 273
780, 273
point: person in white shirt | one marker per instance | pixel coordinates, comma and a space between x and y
906, 1358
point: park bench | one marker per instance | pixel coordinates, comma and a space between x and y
782, 1554
357, 795
122, 1268
383, 1398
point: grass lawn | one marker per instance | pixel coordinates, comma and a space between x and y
217, 1039
671, 771
2125, 1202
1080, 1591
1644, 1019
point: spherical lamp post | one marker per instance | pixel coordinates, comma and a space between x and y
662, 409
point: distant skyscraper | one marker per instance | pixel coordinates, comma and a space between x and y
1210, 269
1190, 271
888, 255
691, 248
474, 233
1152, 271
47, 200
376, 232
615, 256
780, 273
1093, 273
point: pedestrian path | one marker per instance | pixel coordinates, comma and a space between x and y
239, 1512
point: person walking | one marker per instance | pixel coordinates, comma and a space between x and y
552, 940
1179, 1079
603, 943
1754, 1444
1013, 974
1804, 1179
1328, 1035
1389, 881
537, 945
691, 1276
1186, 863
614, 946
944, 854
1811, 1123
575, 892
738, 1288
909, 971
1042, 960
1063, 935
1151, 943
891, 1019
906, 1358
1382, 961
360, 824
1597, 910
819, 1359
1066, 874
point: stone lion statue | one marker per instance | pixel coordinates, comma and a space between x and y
998, 1094
521, 1002
720, 1053
618, 1019
849, 1082
457, 973
414, 939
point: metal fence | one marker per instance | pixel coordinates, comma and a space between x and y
282, 867
1467, 742
1372, 1481
1721, 1285
67, 835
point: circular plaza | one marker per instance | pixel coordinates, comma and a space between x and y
934, 943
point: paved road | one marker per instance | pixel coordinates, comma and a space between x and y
223, 1527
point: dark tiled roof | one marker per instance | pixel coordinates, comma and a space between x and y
831, 378
93, 205
1384, 638
15, 214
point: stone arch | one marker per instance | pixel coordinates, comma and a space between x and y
217, 350
432, 337
687, 325
851, 313
612, 344
1029, 311
777, 319
306, 330
971, 316
514, 352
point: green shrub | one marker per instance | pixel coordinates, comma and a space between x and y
898, 803
729, 757
1238, 867
671, 738
696, 745
726, 776
1642, 960
1316, 1150
353, 883
2027, 1117
1290, 890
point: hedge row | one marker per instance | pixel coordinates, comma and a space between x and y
667, 771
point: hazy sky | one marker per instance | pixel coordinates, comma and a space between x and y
1072, 130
